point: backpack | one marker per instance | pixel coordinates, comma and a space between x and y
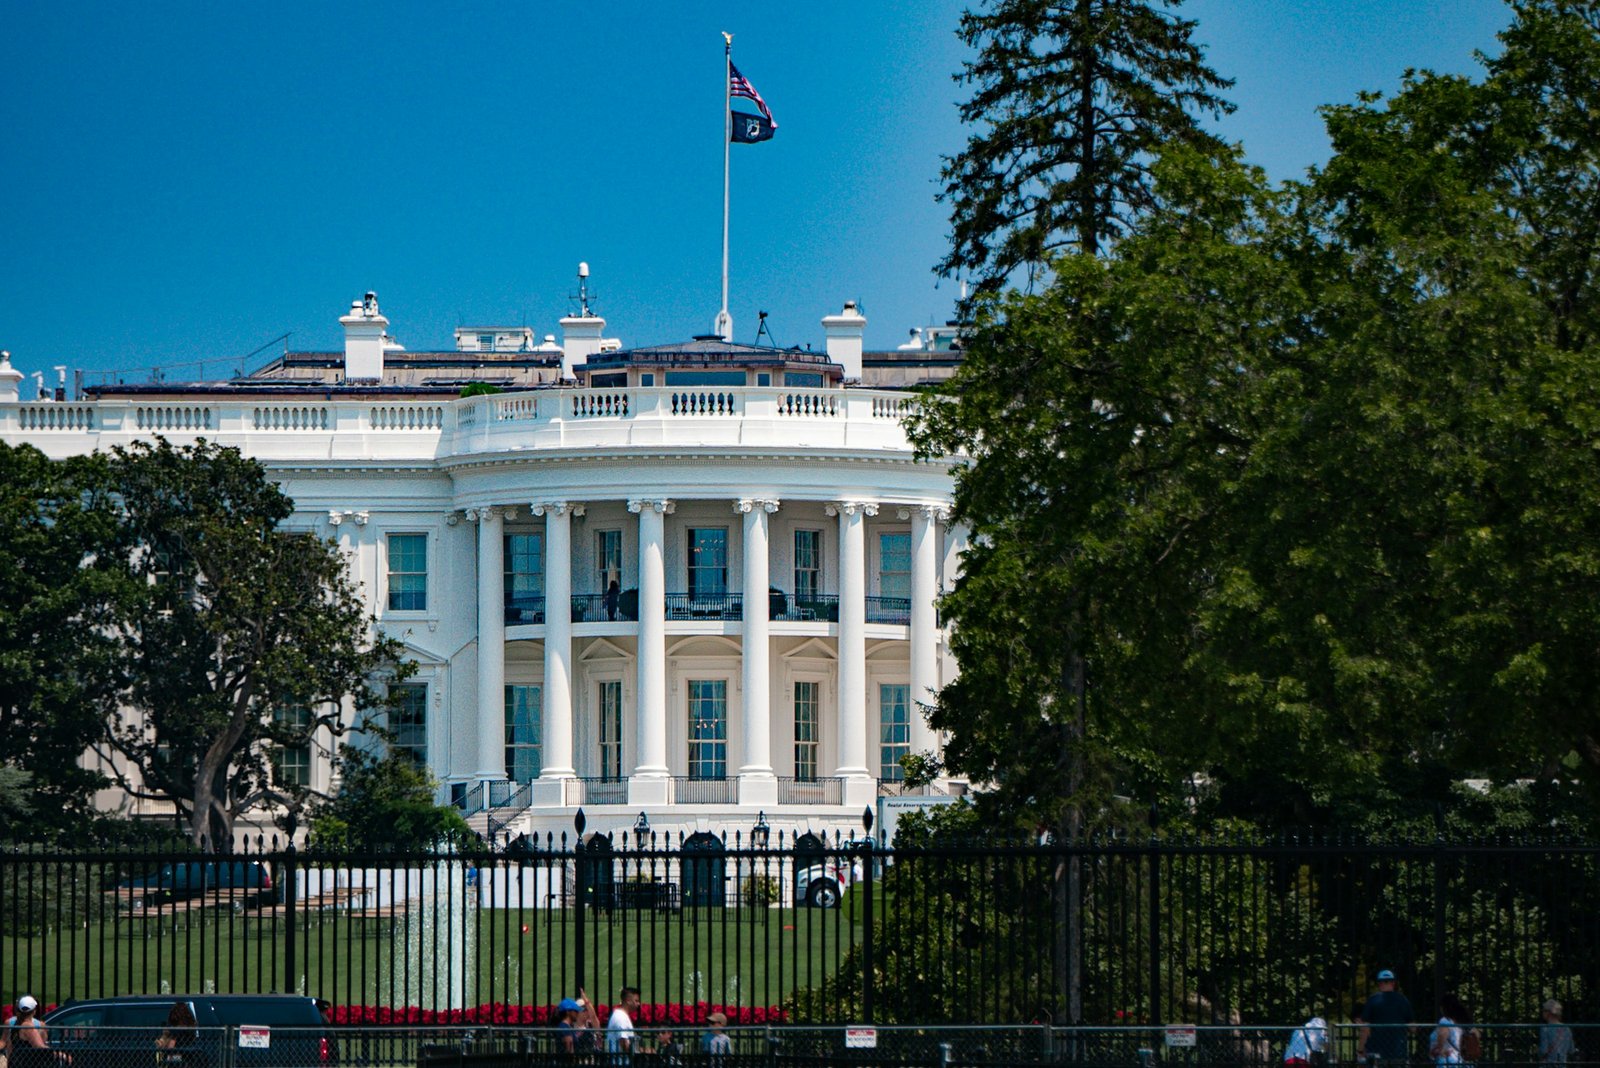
1471, 1046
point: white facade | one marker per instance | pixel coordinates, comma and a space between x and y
677, 695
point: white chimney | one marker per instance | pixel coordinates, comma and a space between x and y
10, 380
364, 340
581, 334
843, 334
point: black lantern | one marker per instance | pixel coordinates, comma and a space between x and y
641, 826
761, 833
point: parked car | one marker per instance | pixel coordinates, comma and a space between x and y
192, 878
821, 886
269, 1031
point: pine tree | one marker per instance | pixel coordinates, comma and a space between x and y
1072, 97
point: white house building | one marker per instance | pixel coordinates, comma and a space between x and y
695, 581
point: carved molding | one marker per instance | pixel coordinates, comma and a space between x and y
936, 513
489, 511
658, 505
746, 505
851, 507
336, 517
539, 508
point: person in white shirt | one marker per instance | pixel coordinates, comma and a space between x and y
619, 1029
1308, 1045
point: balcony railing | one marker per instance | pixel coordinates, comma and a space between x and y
810, 791
705, 606
889, 610
598, 608
821, 607
686, 791
604, 790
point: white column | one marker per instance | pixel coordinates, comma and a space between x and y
853, 742
491, 643
556, 739
649, 782
350, 531
924, 630
757, 784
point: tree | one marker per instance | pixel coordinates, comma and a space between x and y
385, 799
58, 543
1073, 98
229, 620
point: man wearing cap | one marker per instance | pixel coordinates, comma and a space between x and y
566, 1025
1383, 1021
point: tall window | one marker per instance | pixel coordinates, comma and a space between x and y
408, 721
708, 562
608, 558
611, 729
408, 572
524, 567
807, 564
291, 763
708, 729
894, 729
805, 730
524, 757
894, 565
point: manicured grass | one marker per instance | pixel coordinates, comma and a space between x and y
734, 956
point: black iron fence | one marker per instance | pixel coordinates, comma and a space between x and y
813, 930
71, 1044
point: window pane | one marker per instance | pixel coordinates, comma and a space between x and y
894, 565
708, 729
611, 729
708, 562
807, 564
408, 720
408, 572
291, 764
524, 757
608, 558
805, 731
524, 565
894, 715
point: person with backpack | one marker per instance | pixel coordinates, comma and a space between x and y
1455, 1041
1555, 1037
1308, 1045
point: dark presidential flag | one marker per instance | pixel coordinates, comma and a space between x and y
748, 129
739, 85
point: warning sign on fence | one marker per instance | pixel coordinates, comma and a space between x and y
860, 1038
1180, 1037
255, 1038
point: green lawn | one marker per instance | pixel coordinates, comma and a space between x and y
734, 956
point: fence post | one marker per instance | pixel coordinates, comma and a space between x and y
291, 963
581, 877
1438, 903
1155, 923
867, 935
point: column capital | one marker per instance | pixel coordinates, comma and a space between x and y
337, 516
851, 507
538, 508
746, 505
935, 513
658, 505
452, 519
489, 511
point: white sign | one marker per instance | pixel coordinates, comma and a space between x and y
255, 1038
860, 1038
1180, 1037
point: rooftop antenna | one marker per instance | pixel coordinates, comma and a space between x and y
762, 331
583, 290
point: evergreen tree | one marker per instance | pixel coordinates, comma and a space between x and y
1071, 98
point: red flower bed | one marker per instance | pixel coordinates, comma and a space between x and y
500, 1014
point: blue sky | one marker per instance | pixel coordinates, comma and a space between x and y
187, 181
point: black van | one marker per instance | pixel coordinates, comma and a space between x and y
194, 878
231, 1031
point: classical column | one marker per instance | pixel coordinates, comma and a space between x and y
852, 763
924, 627
757, 784
556, 739
491, 642
649, 782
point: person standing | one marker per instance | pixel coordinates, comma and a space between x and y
1308, 1045
1555, 1037
1384, 1019
1445, 1045
619, 1029
717, 1043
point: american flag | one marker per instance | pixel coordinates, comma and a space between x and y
739, 85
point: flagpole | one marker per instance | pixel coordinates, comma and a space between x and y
724, 320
